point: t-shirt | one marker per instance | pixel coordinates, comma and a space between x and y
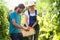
17, 18
31, 14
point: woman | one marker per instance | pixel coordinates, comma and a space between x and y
31, 18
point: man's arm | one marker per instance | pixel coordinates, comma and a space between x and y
16, 25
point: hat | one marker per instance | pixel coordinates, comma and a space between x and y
31, 3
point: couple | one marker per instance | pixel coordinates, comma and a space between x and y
15, 21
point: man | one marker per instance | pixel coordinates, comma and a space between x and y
15, 21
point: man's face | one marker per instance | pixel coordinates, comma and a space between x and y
20, 10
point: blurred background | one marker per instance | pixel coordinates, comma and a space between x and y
49, 18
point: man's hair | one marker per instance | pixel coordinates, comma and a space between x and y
15, 8
21, 6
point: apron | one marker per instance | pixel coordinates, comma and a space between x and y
32, 20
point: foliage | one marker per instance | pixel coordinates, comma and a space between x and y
49, 19
3, 20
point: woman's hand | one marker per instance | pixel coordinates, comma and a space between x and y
26, 28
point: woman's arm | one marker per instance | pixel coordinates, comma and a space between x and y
26, 20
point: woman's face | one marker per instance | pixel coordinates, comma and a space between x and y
31, 7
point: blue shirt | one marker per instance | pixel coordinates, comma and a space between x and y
17, 18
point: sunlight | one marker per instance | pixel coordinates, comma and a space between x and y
12, 3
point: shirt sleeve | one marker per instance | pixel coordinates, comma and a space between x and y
12, 16
26, 12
